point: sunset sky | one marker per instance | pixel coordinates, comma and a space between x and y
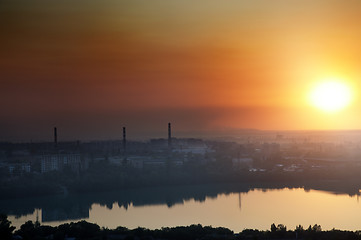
92, 67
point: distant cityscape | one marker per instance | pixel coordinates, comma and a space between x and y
257, 153
169, 170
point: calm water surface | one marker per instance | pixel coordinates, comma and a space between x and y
256, 209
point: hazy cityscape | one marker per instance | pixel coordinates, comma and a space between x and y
252, 157
180, 120
59, 182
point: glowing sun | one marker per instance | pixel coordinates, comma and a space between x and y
331, 96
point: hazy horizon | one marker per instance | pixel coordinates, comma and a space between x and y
134, 134
92, 67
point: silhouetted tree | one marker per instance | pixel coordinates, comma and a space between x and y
278, 231
83, 230
281, 228
314, 228
27, 230
273, 228
299, 229
5, 228
317, 228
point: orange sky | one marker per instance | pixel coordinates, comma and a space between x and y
90, 67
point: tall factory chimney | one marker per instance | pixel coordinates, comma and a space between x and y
124, 141
55, 138
169, 135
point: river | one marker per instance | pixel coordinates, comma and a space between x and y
236, 208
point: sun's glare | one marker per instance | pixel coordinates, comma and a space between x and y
331, 96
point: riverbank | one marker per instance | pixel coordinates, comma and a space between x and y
85, 230
104, 178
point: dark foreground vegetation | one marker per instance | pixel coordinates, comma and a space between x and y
84, 230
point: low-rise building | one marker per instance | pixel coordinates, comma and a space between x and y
242, 162
58, 161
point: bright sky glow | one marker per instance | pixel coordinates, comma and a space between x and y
331, 96
228, 64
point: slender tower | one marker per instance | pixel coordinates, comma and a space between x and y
124, 141
55, 138
169, 136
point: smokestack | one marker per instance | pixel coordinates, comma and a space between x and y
124, 140
55, 138
169, 136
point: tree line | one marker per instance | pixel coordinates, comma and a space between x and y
83, 230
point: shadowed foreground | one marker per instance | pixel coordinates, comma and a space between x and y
85, 230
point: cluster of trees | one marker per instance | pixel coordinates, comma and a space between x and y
311, 233
83, 230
